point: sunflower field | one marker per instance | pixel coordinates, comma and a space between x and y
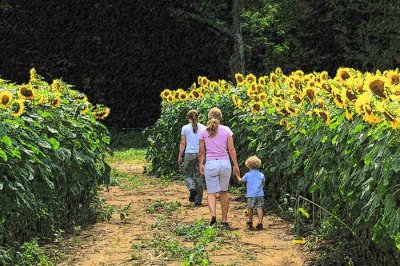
333, 141
52, 159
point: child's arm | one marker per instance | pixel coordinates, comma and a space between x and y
263, 182
239, 179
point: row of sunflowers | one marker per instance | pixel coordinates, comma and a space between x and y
373, 96
53, 150
331, 140
14, 98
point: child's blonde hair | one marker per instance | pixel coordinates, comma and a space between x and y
253, 162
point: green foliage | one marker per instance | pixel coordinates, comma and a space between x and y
30, 253
52, 161
163, 206
349, 167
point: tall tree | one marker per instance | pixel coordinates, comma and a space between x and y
223, 17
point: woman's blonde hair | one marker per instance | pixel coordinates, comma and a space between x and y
193, 115
253, 162
214, 119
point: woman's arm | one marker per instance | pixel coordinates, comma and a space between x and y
182, 147
232, 153
202, 152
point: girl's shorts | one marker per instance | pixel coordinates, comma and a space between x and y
217, 174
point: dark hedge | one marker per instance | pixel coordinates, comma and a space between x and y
120, 53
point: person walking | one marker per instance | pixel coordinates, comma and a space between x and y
216, 145
190, 144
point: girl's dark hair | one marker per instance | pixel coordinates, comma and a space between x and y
193, 116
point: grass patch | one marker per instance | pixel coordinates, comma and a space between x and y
163, 206
132, 155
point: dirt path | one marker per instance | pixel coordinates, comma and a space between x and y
110, 242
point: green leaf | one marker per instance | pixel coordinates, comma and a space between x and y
3, 155
7, 140
304, 212
397, 240
54, 143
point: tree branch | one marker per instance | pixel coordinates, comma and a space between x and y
201, 18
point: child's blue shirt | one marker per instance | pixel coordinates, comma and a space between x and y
254, 182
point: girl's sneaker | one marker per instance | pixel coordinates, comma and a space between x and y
259, 227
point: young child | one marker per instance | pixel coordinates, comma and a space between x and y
255, 183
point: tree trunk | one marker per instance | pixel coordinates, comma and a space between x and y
236, 61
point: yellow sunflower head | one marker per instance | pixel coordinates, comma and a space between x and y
17, 107
26, 93
278, 71
195, 94
393, 77
272, 79
262, 80
170, 98
183, 96
323, 76
250, 78
342, 74
376, 84
102, 114
324, 115
256, 107
310, 93
165, 93
5, 99
32, 74
239, 79
56, 101
205, 81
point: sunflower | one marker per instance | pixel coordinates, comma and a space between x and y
351, 97
363, 100
338, 99
239, 103
195, 94
323, 76
165, 93
56, 101
262, 96
256, 107
183, 96
262, 80
32, 74
250, 78
239, 79
324, 115
310, 94
205, 81
371, 118
57, 85
17, 108
170, 98
348, 114
252, 89
376, 84
85, 109
199, 80
5, 98
290, 109
343, 74
234, 99
272, 79
278, 71
298, 73
101, 115
26, 93
393, 77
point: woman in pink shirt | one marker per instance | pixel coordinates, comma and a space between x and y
216, 145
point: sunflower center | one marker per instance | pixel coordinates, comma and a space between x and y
26, 92
5, 99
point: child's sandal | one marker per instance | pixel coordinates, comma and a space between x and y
259, 227
249, 226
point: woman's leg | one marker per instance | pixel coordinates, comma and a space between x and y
212, 205
224, 195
